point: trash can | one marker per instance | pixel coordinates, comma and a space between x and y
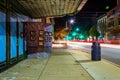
96, 51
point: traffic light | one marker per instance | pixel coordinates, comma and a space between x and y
81, 36
77, 29
68, 38
74, 33
107, 7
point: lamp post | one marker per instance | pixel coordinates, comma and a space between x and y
66, 25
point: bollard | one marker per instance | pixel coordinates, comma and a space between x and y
96, 51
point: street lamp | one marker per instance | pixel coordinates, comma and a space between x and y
81, 36
71, 21
74, 33
77, 29
69, 29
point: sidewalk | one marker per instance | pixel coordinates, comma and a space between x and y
99, 70
60, 66
63, 64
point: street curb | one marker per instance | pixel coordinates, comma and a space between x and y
111, 63
88, 55
104, 60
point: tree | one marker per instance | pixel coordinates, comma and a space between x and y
61, 33
93, 32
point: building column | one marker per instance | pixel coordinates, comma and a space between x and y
8, 32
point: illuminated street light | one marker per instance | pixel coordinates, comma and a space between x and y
74, 34
81, 36
107, 7
68, 37
77, 29
71, 21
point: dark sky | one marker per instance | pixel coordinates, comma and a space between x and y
98, 5
93, 8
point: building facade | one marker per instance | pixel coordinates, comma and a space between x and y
113, 23
113, 27
101, 26
109, 25
14, 43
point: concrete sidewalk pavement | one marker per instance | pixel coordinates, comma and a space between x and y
63, 64
60, 66
99, 70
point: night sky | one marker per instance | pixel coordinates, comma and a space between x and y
91, 10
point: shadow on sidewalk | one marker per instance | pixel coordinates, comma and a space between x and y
84, 61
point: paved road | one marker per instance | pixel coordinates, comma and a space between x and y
108, 52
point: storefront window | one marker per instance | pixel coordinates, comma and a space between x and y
2, 37
13, 38
111, 23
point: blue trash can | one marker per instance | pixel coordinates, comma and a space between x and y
96, 51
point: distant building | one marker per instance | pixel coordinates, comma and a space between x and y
101, 26
113, 23
109, 25
113, 27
